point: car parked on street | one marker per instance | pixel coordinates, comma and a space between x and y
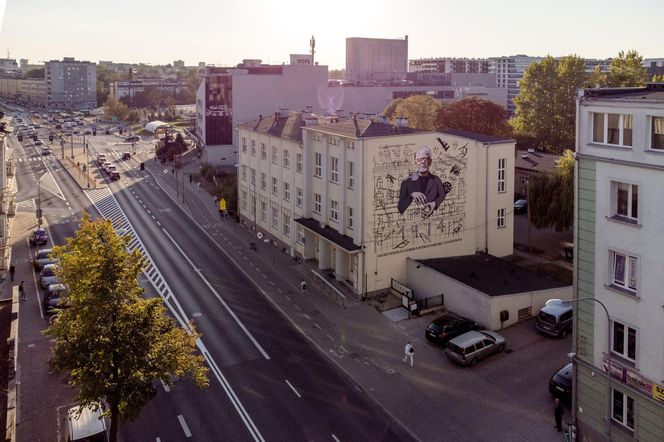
520, 206
133, 139
472, 346
446, 327
53, 299
560, 384
46, 151
126, 156
39, 237
48, 276
42, 258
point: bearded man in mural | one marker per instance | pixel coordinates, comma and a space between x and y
423, 187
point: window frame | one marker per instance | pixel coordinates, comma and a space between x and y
263, 152
318, 164
631, 205
500, 219
263, 181
630, 348
318, 203
502, 163
651, 140
605, 129
286, 191
351, 175
244, 145
275, 186
299, 196
286, 159
334, 210
626, 400
334, 170
298, 162
349, 222
630, 271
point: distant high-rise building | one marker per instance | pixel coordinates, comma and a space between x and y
655, 66
71, 84
509, 72
450, 65
376, 59
178, 64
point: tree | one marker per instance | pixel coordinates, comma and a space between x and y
36, 73
627, 70
597, 78
551, 195
114, 343
337, 74
658, 78
133, 116
391, 108
475, 115
115, 108
421, 111
546, 104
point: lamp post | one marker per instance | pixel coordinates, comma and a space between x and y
608, 358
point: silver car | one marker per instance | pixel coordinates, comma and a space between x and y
42, 258
48, 276
472, 346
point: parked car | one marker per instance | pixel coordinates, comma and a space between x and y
446, 327
48, 276
58, 126
42, 258
520, 206
105, 165
555, 318
87, 132
133, 139
111, 168
39, 237
560, 384
472, 346
114, 175
38, 142
126, 156
53, 298
46, 151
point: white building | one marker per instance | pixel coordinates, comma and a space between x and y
376, 59
620, 237
228, 96
450, 65
328, 189
8, 191
71, 84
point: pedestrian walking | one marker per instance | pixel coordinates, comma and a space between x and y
558, 414
21, 291
12, 270
303, 285
409, 352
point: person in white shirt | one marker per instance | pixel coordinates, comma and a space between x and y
408, 353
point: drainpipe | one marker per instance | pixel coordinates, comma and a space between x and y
486, 198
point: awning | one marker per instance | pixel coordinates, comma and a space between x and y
152, 126
327, 232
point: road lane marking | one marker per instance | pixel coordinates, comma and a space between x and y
183, 423
166, 387
293, 388
336, 439
221, 300
317, 326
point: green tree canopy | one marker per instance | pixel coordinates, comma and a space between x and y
114, 343
627, 70
115, 108
658, 78
391, 108
546, 104
421, 111
38, 73
551, 196
597, 78
475, 115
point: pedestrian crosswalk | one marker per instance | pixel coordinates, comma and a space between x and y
26, 205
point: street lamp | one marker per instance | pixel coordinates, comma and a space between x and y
608, 357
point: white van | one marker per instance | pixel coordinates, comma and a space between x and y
101, 159
89, 425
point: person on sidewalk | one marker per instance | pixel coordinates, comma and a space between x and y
409, 352
303, 285
21, 292
558, 414
12, 270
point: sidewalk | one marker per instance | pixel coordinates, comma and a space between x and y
366, 345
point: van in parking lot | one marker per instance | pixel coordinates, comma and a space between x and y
472, 346
555, 318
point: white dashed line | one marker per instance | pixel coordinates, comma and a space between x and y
293, 388
307, 316
166, 387
336, 439
330, 337
297, 307
317, 326
185, 428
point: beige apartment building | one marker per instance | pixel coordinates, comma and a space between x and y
32, 91
330, 190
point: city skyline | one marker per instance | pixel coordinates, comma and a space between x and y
224, 34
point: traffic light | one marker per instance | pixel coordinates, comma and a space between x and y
142, 166
191, 178
20, 138
50, 138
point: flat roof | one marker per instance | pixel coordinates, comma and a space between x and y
491, 275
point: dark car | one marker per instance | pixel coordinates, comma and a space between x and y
560, 384
446, 327
39, 237
133, 139
520, 206
87, 132
42, 258
126, 156
58, 126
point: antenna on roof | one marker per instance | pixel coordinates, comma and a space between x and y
312, 44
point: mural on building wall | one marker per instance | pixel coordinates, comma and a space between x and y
419, 195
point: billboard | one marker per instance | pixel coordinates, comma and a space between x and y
219, 109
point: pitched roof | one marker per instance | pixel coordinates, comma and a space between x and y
289, 127
490, 139
363, 128
535, 161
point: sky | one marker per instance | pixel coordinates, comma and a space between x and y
224, 32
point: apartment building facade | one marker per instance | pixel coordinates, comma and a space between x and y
450, 65
509, 72
71, 84
618, 274
376, 59
28, 90
332, 190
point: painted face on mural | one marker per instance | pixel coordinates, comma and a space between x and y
423, 160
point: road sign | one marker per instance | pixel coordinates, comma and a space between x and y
259, 235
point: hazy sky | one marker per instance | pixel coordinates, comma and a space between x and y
225, 32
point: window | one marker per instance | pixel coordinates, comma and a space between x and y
244, 199
275, 155
286, 226
317, 203
263, 152
613, 129
625, 201
623, 409
286, 191
244, 174
300, 234
275, 186
501, 218
298, 163
298, 197
263, 210
334, 169
253, 148
350, 217
334, 210
501, 174
275, 217
263, 182
286, 159
318, 164
244, 145
351, 175
624, 341
624, 271
253, 177
657, 133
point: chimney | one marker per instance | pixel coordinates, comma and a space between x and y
311, 121
402, 122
